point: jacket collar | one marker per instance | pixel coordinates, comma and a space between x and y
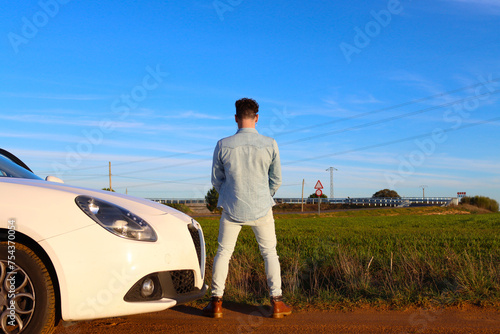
247, 130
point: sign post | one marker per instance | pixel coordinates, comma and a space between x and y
318, 188
302, 201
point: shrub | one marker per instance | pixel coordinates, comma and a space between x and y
481, 202
386, 193
211, 199
313, 195
178, 206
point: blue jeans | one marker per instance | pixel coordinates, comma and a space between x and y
264, 231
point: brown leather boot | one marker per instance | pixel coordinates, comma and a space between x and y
214, 308
280, 309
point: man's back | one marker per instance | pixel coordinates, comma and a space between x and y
246, 173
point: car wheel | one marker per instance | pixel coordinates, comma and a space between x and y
27, 299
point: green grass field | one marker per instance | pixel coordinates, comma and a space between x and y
383, 258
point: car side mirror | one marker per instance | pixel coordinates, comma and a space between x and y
51, 178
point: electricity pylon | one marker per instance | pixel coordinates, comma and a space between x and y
423, 190
331, 169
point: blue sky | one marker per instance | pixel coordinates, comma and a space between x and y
394, 94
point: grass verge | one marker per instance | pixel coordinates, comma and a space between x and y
385, 258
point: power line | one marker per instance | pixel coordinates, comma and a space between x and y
143, 160
392, 142
315, 136
451, 129
444, 105
330, 133
150, 169
378, 121
392, 118
415, 101
404, 104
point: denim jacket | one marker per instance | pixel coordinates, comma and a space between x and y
246, 172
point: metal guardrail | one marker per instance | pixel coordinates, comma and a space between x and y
368, 201
365, 201
178, 201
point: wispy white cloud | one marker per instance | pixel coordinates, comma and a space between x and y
418, 81
36, 136
476, 166
51, 96
192, 115
494, 3
122, 163
146, 145
489, 7
363, 99
54, 120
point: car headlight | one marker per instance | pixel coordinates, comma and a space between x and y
116, 219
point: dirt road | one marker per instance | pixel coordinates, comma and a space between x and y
249, 319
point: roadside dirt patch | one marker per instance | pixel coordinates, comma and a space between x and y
450, 212
240, 318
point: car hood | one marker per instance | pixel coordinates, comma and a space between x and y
135, 204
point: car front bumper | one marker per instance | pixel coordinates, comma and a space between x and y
105, 279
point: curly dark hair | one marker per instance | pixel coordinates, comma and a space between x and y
246, 108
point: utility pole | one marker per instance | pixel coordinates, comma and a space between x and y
302, 210
423, 190
319, 205
110, 188
331, 169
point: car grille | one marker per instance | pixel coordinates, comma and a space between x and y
195, 235
180, 282
183, 281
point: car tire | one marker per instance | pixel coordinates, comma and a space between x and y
33, 289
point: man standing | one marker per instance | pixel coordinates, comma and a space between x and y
246, 172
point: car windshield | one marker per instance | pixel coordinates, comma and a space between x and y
11, 169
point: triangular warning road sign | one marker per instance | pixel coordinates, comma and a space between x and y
318, 185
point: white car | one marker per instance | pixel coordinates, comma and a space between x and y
75, 254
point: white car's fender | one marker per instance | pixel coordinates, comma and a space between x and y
93, 282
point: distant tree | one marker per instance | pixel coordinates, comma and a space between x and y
211, 198
313, 195
481, 202
386, 193
107, 189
